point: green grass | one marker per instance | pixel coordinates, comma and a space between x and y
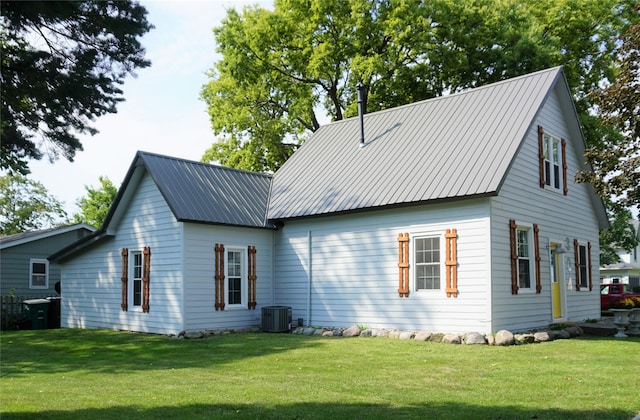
66, 374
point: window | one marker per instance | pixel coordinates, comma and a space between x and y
136, 269
427, 261
524, 267
552, 161
236, 284
582, 265
38, 274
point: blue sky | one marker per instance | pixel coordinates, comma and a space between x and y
162, 112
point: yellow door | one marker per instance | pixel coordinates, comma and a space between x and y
556, 274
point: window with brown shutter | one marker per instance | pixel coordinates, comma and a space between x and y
219, 277
536, 244
590, 273
451, 262
252, 277
565, 186
541, 157
146, 279
124, 305
576, 262
403, 264
513, 241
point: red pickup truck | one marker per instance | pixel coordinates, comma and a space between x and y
611, 292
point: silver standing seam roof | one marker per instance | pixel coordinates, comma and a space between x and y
450, 147
203, 193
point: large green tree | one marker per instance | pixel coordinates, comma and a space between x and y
95, 205
282, 70
62, 65
26, 205
616, 156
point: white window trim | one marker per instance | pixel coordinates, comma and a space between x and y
46, 273
532, 258
244, 283
549, 152
132, 279
414, 265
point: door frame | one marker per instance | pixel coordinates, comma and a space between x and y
557, 281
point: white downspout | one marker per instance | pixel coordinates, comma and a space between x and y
309, 278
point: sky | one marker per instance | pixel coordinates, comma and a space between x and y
162, 112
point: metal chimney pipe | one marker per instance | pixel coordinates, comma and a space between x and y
361, 110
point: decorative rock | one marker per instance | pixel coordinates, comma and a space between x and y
319, 331
474, 338
504, 338
436, 338
337, 332
452, 339
524, 338
352, 331
422, 336
328, 333
491, 340
308, 331
394, 334
561, 334
406, 335
193, 334
542, 336
574, 331
381, 333
366, 333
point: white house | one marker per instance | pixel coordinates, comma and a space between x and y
454, 214
627, 270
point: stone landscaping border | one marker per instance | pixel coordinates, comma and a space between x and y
501, 338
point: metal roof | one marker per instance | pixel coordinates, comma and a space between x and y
203, 193
9, 241
448, 147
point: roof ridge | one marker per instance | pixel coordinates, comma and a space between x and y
143, 153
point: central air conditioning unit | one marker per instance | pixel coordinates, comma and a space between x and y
276, 318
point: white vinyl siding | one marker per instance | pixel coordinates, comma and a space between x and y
557, 216
343, 270
91, 283
199, 274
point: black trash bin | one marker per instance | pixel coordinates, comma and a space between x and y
37, 311
54, 312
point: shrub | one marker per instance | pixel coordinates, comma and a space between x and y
622, 303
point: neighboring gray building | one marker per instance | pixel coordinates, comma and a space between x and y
24, 268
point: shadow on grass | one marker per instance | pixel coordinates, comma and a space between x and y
322, 411
113, 352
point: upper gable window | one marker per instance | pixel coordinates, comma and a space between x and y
552, 174
38, 274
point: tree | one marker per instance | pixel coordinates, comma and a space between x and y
95, 206
616, 158
281, 68
26, 205
620, 235
61, 67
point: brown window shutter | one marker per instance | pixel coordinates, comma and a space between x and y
219, 277
541, 155
513, 240
403, 264
146, 252
451, 262
252, 277
564, 167
576, 258
589, 257
125, 279
536, 244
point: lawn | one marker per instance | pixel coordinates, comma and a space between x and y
90, 374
